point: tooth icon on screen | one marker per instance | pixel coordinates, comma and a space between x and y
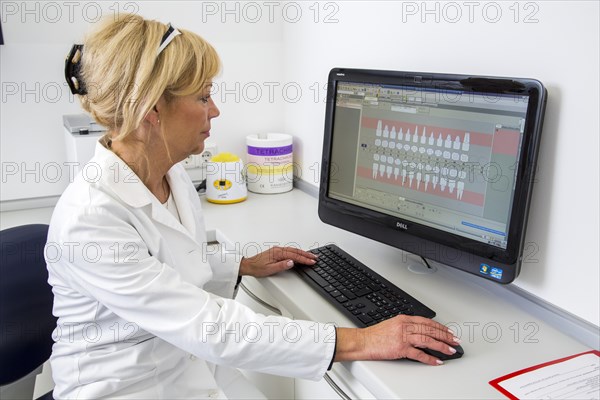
381, 170
378, 130
416, 136
393, 133
403, 176
427, 178
440, 141
466, 142
396, 173
447, 144
460, 189
443, 183
435, 181
375, 169
388, 171
407, 136
411, 175
418, 180
456, 145
400, 135
431, 139
423, 137
386, 132
376, 157
451, 185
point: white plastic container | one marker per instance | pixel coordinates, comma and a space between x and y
269, 163
225, 183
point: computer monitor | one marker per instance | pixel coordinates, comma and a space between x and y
441, 166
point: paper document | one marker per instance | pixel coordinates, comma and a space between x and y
574, 377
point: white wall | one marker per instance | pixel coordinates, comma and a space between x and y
560, 49
287, 56
38, 35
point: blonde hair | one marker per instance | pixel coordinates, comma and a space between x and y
125, 78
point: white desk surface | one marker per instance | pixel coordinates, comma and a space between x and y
498, 338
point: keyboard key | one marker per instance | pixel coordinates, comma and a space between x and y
315, 277
365, 318
361, 292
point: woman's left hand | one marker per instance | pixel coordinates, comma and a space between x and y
275, 260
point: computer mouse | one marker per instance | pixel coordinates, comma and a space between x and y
441, 356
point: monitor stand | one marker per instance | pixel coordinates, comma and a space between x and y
419, 265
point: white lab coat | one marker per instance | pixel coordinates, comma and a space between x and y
144, 311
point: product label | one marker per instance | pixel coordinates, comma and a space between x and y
269, 151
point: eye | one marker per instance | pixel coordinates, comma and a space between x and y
204, 99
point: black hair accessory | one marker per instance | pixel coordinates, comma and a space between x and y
73, 70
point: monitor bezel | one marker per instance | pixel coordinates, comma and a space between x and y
447, 248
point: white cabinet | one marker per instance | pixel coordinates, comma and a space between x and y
275, 387
272, 386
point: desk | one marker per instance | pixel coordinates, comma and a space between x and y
498, 337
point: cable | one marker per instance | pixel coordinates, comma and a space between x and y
425, 262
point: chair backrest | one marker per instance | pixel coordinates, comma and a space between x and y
26, 320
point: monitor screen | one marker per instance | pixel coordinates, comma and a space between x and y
438, 165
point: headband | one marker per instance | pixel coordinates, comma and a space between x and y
167, 38
73, 70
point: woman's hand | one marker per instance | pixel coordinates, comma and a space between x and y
275, 260
399, 337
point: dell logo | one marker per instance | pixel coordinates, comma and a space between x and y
401, 225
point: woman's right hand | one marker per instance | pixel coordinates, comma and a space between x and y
399, 337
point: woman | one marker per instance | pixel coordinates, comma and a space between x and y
143, 311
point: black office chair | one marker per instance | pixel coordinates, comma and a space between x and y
26, 320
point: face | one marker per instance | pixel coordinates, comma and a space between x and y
188, 123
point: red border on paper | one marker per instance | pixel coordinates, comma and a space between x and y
496, 382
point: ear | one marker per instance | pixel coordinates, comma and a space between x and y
153, 117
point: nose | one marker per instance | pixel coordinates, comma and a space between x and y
213, 110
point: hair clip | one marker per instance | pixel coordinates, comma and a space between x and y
169, 35
73, 70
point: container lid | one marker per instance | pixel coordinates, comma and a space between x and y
269, 140
225, 157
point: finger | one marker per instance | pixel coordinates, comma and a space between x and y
298, 256
433, 329
285, 264
423, 341
275, 267
418, 355
300, 252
